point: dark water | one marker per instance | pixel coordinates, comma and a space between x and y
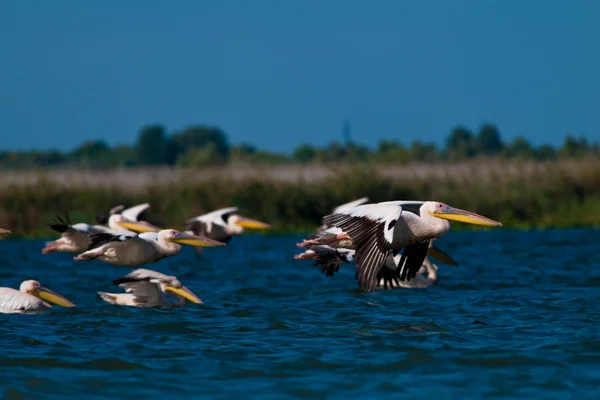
518, 318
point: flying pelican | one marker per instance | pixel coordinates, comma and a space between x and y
377, 229
147, 288
221, 225
102, 218
4, 231
331, 259
31, 297
75, 238
345, 207
137, 249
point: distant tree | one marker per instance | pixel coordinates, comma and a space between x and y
424, 152
200, 136
488, 141
242, 152
574, 147
153, 146
391, 152
460, 144
91, 153
388, 145
545, 152
520, 148
196, 157
304, 154
355, 152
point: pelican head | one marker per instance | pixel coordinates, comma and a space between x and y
444, 211
119, 222
177, 288
237, 223
6, 231
36, 289
174, 236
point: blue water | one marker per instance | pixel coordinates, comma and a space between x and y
518, 318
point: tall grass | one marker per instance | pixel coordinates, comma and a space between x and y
294, 198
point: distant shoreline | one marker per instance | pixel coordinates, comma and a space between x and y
294, 198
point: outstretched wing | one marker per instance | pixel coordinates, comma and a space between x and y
409, 264
101, 238
350, 205
371, 228
142, 274
133, 213
330, 260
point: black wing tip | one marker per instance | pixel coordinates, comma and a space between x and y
100, 238
61, 225
125, 279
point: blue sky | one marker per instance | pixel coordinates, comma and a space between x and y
277, 74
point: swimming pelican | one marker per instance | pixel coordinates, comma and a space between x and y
31, 297
331, 259
137, 249
345, 207
221, 225
148, 288
75, 238
377, 229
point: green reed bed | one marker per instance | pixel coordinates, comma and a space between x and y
294, 198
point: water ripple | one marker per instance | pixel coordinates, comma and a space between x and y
517, 319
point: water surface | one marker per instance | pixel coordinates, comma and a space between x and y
518, 318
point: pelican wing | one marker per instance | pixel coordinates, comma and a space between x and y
350, 205
145, 293
212, 225
331, 259
218, 215
133, 213
102, 238
142, 274
12, 300
371, 228
403, 267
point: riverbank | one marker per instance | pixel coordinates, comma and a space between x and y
293, 198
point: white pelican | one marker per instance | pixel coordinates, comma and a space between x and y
147, 288
377, 229
134, 250
131, 214
75, 238
331, 259
221, 225
4, 231
345, 207
31, 297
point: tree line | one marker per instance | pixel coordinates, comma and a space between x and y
201, 145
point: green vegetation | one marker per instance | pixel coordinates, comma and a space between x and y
194, 171
205, 146
293, 198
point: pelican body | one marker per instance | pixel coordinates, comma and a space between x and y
31, 298
331, 259
377, 229
222, 225
148, 288
75, 238
137, 249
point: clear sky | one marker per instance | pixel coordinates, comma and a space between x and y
280, 73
